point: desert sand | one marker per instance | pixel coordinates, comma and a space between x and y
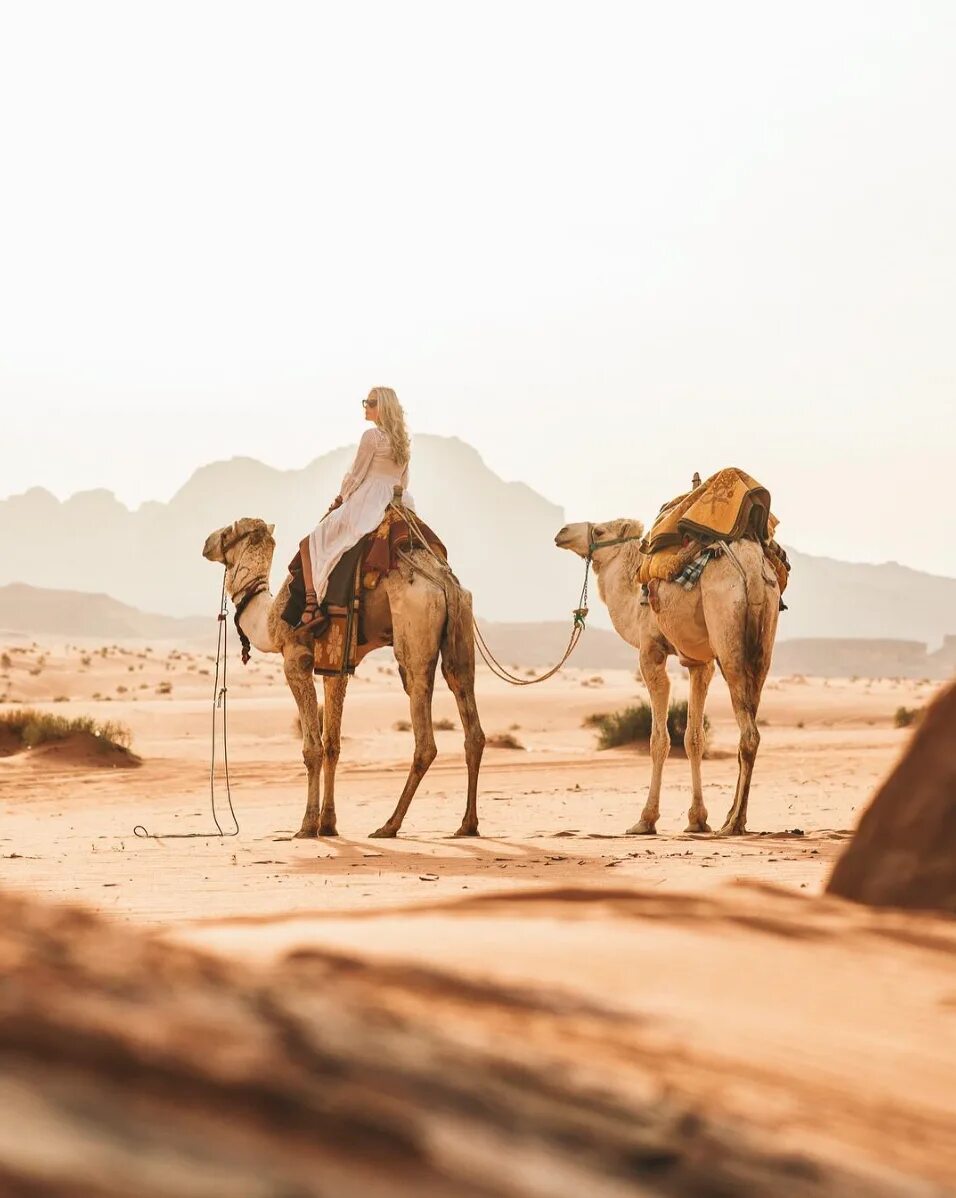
551, 812
704, 974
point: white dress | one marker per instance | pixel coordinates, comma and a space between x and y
366, 492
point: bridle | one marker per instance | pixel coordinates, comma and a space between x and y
595, 545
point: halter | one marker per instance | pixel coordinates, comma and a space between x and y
594, 545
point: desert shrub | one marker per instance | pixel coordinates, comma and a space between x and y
164, 688
504, 740
6, 661
444, 725
121, 690
906, 716
633, 725
61, 698
39, 727
86, 660
402, 726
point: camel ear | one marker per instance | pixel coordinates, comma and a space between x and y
212, 550
271, 528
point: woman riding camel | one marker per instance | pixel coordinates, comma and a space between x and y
380, 465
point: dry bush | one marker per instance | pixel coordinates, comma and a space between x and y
444, 725
504, 740
164, 688
402, 726
633, 725
39, 727
905, 717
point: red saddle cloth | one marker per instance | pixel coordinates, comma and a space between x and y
393, 536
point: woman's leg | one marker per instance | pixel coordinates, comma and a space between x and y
311, 614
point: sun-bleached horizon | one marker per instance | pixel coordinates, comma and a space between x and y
605, 255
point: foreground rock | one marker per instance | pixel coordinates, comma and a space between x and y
904, 852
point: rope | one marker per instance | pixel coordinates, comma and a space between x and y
577, 629
218, 701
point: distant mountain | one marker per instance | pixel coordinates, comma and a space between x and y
829, 598
76, 613
499, 535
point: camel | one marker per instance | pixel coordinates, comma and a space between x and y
729, 617
430, 615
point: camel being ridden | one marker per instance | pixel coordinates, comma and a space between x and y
430, 616
729, 617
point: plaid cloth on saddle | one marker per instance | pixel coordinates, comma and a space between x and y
690, 574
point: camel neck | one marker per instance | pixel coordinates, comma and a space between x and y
254, 622
621, 597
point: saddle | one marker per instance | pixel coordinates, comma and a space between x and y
351, 632
729, 506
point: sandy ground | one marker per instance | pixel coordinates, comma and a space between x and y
826, 1030
551, 812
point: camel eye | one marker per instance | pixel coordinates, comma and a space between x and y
599, 532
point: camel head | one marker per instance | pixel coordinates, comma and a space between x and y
245, 548
585, 539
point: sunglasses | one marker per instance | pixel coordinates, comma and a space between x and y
369, 403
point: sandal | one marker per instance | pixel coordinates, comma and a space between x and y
313, 617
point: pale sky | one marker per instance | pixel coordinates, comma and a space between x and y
607, 244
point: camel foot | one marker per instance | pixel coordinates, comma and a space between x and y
306, 832
641, 828
467, 830
383, 833
732, 830
331, 831
698, 826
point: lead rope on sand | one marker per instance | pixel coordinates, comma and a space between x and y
577, 629
218, 702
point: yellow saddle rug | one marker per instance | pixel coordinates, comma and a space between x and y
727, 506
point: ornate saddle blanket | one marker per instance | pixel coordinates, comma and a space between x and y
350, 635
728, 506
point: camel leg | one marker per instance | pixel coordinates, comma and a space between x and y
461, 683
700, 679
654, 673
420, 685
331, 745
746, 712
297, 663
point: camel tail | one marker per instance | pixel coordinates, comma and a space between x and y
754, 653
458, 639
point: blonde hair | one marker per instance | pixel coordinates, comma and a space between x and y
391, 420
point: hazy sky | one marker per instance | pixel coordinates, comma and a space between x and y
606, 244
